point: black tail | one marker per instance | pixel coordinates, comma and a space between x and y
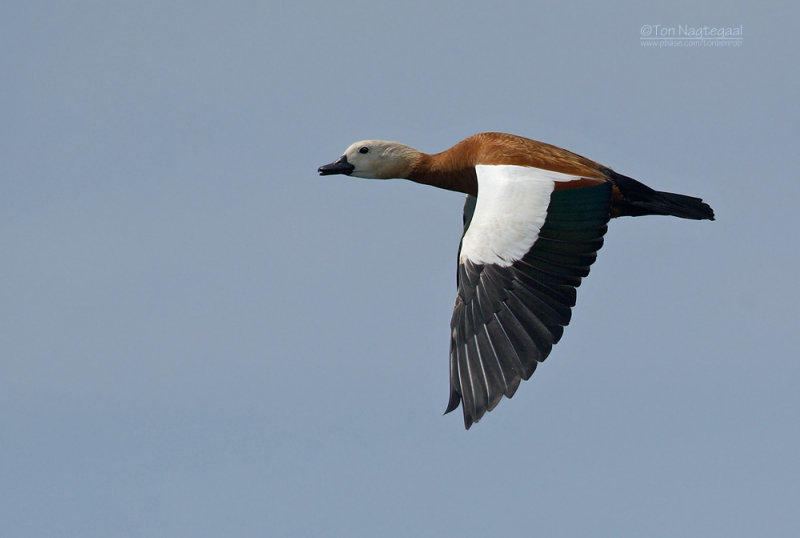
638, 199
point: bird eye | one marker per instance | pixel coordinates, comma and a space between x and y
363, 149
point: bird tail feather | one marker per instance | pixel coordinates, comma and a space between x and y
639, 199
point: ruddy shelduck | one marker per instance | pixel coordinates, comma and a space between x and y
534, 219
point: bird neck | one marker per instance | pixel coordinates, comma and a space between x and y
449, 170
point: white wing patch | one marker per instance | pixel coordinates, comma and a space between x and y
511, 209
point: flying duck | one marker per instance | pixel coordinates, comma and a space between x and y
534, 219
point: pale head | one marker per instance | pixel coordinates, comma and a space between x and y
374, 159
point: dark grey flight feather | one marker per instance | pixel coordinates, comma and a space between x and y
507, 319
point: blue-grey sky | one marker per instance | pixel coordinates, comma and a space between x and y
199, 336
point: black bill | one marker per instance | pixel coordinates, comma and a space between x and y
339, 166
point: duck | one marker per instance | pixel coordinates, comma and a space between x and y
535, 216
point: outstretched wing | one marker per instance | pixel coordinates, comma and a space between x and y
531, 239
